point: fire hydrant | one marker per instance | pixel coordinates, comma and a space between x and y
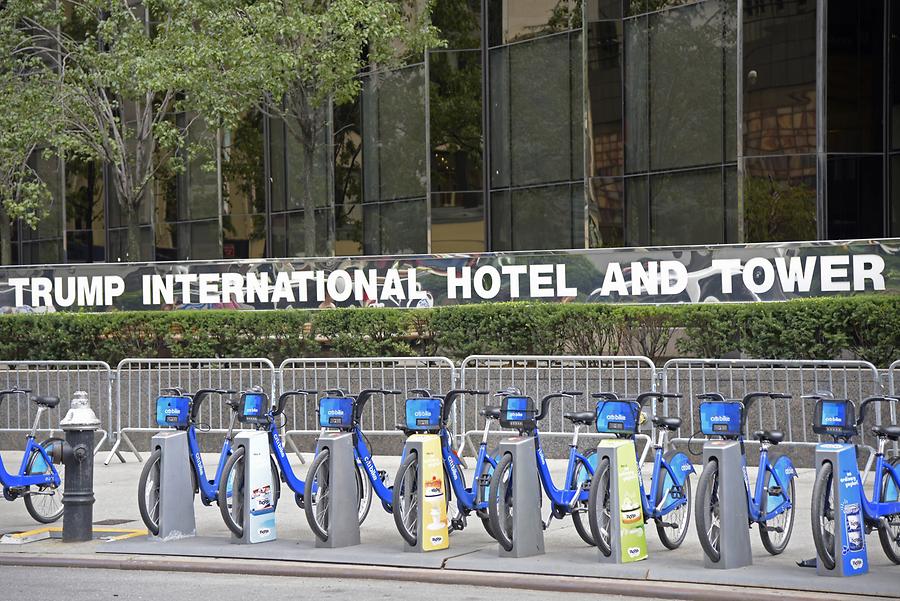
79, 424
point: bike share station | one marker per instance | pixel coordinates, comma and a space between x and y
556, 552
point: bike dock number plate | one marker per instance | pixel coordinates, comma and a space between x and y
433, 531
628, 540
849, 551
259, 489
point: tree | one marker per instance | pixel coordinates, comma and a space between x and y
304, 54
28, 97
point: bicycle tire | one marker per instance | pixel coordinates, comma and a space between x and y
54, 493
770, 545
663, 531
599, 518
148, 500
405, 500
482, 494
708, 511
233, 512
889, 529
500, 503
578, 513
823, 540
316, 506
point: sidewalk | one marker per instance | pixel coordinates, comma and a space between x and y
472, 557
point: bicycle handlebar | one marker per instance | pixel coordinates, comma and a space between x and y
451, 397
201, 395
659, 396
14, 390
607, 396
545, 402
282, 400
873, 399
423, 392
363, 397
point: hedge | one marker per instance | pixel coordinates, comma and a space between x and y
867, 327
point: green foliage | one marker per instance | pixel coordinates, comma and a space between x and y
867, 327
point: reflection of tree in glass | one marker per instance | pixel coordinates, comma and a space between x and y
778, 211
456, 120
458, 22
242, 171
347, 172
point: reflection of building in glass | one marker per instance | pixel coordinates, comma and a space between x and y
548, 124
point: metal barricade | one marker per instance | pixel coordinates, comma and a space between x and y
381, 414
538, 375
138, 382
735, 377
56, 378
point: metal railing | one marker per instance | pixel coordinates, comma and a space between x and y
138, 382
56, 378
381, 414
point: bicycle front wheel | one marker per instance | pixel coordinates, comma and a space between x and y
823, 516
500, 503
776, 533
599, 517
581, 478
44, 503
889, 532
317, 494
231, 492
672, 527
148, 492
406, 499
708, 521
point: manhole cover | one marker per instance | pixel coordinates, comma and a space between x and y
112, 522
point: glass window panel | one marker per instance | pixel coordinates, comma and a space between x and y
501, 221
855, 78
894, 63
200, 182
637, 211
604, 105
296, 165
84, 211
243, 236
198, 240
687, 207
296, 237
278, 223
607, 212
637, 7
686, 85
499, 117
118, 244
166, 241
347, 179
242, 168
637, 108
855, 197
779, 198
600, 10
732, 213
576, 111
540, 111
49, 170
457, 222
396, 228
45, 251
394, 149
543, 218
348, 230
455, 109
895, 196
459, 22
276, 162
516, 20
779, 77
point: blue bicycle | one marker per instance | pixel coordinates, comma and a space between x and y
883, 511
518, 412
668, 501
771, 502
38, 481
254, 410
179, 410
343, 412
428, 413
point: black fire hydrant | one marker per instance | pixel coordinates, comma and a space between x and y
79, 424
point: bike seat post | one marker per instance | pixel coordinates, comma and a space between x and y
37, 420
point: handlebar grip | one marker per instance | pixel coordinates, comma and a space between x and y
389, 391
781, 395
572, 393
672, 395
481, 392
610, 396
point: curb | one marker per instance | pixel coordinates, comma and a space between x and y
570, 584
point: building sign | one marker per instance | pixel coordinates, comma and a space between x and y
737, 273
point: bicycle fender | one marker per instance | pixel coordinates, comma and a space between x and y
891, 492
681, 467
784, 467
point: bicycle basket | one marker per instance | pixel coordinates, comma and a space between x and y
517, 412
254, 408
423, 415
336, 412
835, 418
721, 419
173, 411
617, 417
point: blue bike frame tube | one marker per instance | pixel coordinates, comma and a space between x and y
294, 483
22, 478
465, 496
563, 497
876, 509
209, 490
364, 456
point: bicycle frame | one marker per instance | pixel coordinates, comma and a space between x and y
209, 489
466, 497
754, 500
877, 508
564, 498
22, 479
294, 483
661, 469
364, 457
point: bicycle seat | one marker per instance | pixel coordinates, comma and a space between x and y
772, 436
46, 401
581, 417
669, 423
491, 412
890, 431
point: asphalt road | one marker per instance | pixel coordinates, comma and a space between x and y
74, 584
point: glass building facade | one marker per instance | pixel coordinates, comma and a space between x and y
548, 124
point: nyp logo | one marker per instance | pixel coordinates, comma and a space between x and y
856, 563
634, 551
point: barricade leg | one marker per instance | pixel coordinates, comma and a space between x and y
257, 493
734, 533
527, 524
176, 488
343, 494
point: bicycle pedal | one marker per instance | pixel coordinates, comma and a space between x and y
672, 525
383, 475
457, 524
777, 529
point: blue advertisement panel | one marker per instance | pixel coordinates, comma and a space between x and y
849, 518
693, 274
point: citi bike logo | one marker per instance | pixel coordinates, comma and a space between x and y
422, 413
370, 467
514, 415
722, 419
616, 417
172, 411
199, 462
832, 419
335, 412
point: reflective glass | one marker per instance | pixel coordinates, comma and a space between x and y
855, 197
395, 227
501, 221
895, 196
459, 22
600, 10
637, 98
512, 21
779, 198
347, 179
199, 197
604, 65
296, 161
637, 211
606, 206
457, 222
687, 207
85, 227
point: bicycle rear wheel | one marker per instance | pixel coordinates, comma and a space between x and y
708, 524
599, 517
317, 493
889, 531
44, 503
823, 516
500, 503
776, 541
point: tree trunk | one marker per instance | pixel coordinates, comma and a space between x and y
132, 217
309, 201
5, 237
